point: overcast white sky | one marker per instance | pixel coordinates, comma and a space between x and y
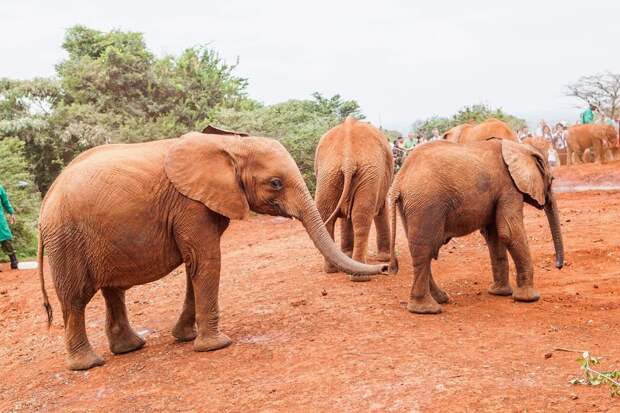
402, 60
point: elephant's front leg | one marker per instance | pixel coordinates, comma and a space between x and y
206, 281
121, 336
420, 300
499, 262
185, 328
512, 233
382, 226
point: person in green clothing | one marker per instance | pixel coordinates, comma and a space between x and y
588, 115
6, 237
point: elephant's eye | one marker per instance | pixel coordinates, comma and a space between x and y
276, 183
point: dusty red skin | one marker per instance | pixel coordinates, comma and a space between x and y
303, 339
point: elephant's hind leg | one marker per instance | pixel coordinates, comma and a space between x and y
74, 290
121, 336
346, 236
185, 328
499, 262
383, 234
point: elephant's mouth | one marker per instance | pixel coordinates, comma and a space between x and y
278, 209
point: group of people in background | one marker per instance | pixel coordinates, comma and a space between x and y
556, 135
401, 146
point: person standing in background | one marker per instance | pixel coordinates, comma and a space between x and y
6, 237
588, 115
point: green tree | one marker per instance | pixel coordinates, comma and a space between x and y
297, 124
469, 114
19, 184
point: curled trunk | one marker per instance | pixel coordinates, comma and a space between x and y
551, 210
311, 219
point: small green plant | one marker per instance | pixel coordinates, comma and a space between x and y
592, 377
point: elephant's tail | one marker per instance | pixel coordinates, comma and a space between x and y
394, 198
348, 173
46, 301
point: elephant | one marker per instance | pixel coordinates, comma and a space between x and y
490, 128
354, 168
541, 144
128, 214
447, 190
579, 138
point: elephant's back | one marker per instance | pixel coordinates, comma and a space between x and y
104, 175
354, 141
490, 129
453, 165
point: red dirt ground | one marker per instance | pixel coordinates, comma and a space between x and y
309, 341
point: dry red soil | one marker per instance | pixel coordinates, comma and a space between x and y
309, 341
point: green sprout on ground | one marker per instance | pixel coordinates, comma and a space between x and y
592, 377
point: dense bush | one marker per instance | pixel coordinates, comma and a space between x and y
25, 198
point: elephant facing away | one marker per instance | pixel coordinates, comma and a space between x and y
124, 215
447, 190
599, 137
354, 169
490, 128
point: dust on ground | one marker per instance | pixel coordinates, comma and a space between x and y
309, 341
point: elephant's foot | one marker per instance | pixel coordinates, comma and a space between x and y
184, 331
525, 294
330, 268
125, 341
424, 305
440, 296
383, 256
210, 343
359, 278
84, 360
500, 289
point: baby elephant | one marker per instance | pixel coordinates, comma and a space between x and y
447, 190
354, 168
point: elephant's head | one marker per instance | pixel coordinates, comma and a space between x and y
532, 176
232, 175
454, 134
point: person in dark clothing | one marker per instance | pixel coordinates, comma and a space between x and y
6, 237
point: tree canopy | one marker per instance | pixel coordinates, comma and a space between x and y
469, 114
602, 90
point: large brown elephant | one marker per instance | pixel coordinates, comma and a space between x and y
599, 137
447, 190
354, 168
490, 128
123, 215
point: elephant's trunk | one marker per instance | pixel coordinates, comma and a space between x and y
311, 219
551, 210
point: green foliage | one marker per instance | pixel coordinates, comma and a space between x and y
110, 89
18, 182
592, 377
469, 114
297, 124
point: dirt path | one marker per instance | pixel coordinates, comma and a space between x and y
309, 341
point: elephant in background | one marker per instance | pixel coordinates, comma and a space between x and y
447, 190
128, 214
580, 138
490, 128
354, 169
541, 144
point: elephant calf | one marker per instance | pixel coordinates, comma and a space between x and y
124, 215
447, 190
354, 168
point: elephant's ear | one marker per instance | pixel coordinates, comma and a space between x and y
527, 169
212, 130
201, 168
